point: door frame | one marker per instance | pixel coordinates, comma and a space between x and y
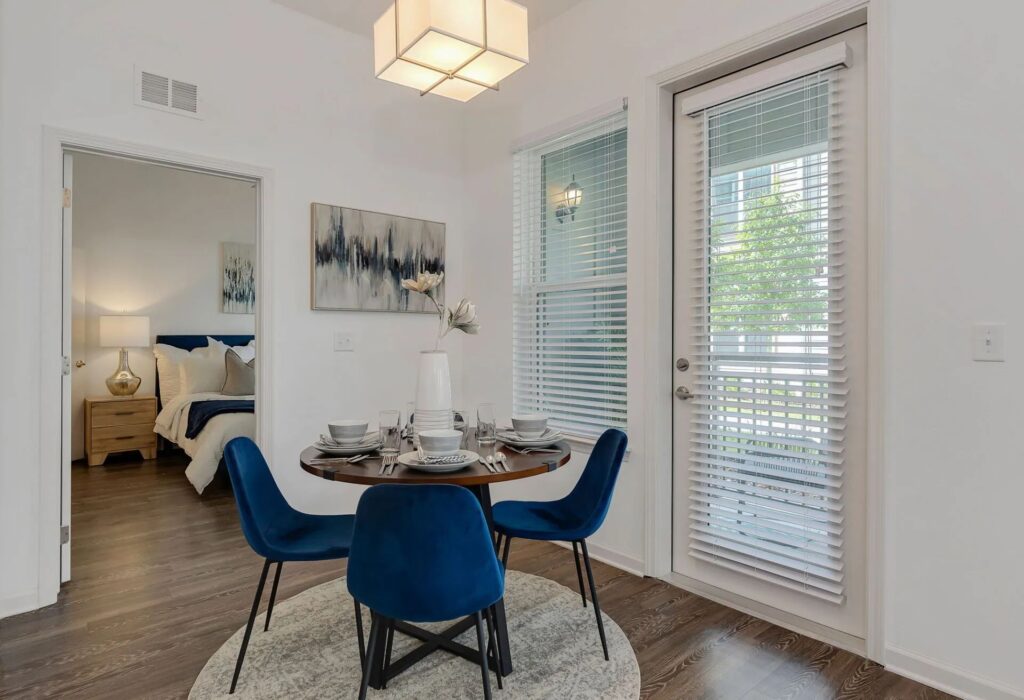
659, 92
52, 489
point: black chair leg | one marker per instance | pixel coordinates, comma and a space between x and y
497, 543
593, 597
492, 645
273, 596
579, 571
482, 646
248, 625
371, 653
359, 633
504, 556
389, 640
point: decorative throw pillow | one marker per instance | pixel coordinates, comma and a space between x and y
202, 372
241, 375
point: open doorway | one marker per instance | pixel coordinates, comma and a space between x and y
160, 302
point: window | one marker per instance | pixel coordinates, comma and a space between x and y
767, 458
569, 269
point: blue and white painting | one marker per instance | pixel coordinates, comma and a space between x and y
238, 289
361, 257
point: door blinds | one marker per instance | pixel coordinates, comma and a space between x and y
766, 458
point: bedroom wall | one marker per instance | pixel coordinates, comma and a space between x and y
147, 241
282, 91
952, 568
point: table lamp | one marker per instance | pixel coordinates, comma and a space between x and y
124, 332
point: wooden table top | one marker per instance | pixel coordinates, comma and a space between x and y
366, 471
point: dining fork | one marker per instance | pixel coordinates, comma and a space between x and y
342, 460
531, 450
394, 464
383, 465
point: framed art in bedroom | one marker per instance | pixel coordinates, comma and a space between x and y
238, 275
359, 259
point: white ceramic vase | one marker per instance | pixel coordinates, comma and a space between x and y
433, 391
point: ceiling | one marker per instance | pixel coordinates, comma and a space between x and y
358, 16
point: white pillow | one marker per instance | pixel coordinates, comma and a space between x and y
247, 353
202, 371
168, 366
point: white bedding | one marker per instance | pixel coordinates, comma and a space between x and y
206, 449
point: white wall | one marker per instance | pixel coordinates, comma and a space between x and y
148, 241
954, 467
953, 564
281, 91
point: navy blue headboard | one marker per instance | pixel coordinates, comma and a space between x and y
191, 342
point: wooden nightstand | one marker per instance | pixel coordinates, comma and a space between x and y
119, 424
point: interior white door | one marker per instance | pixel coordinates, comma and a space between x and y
79, 360
769, 320
67, 334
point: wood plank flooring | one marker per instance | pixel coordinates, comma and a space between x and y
161, 577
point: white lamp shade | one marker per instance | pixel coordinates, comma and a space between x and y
124, 331
430, 44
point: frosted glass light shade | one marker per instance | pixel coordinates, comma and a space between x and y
450, 47
124, 331
508, 45
457, 89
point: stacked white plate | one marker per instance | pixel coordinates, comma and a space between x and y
425, 419
510, 437
369, 443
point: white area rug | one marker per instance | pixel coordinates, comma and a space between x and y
311, 652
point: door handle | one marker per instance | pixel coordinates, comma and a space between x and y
80, 364
683, 393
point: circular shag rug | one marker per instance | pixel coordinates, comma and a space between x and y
310, 651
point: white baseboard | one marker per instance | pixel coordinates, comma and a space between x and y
611, 557
947, 678
18, 605
792, 622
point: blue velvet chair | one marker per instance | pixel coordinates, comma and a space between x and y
278, 532
573, 518
422, 554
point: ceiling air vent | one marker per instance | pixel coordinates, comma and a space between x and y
166, 94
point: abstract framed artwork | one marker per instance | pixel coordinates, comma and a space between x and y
238, 270
360, 258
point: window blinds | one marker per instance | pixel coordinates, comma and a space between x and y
569, 278
767, 449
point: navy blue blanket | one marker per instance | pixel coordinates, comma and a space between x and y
201, 412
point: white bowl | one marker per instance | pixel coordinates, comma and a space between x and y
530, 426
440, 443
348, 431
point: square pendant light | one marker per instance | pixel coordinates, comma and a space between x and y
452, 48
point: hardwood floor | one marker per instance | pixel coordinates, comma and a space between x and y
161, 577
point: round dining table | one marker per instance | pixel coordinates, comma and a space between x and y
476, 477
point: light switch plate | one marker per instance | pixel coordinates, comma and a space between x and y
988, 341
343, 342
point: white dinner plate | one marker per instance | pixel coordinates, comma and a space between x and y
347, 450
412, 460
549, 438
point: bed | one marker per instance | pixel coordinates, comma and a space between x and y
203, 440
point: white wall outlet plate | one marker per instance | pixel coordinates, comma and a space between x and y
343, 342
988, 342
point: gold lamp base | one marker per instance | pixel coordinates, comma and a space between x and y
123, 381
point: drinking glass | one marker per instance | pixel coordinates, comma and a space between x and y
486, 425
410, 410
390, 432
